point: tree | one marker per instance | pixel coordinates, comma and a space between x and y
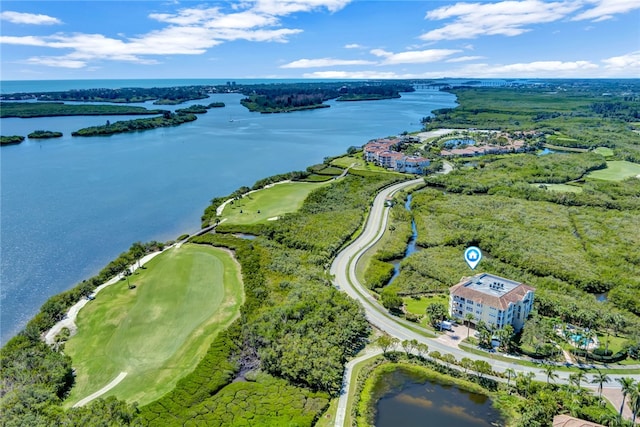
423, 350
466, 364
635, 402
436, 313
126, 272
482, 367
626, 385
577, 378
391, 301
469, 317
137, 250
510, 374
505, 334
409, 346
550, 372
484, 334
385, 342
449, 359
524, 381
600, 378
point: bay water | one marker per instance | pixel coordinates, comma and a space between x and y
70, 205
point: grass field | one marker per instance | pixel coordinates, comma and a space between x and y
268, 203
160, 330
561, 187
419, 306
604, 151
616, 171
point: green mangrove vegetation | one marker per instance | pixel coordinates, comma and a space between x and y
53, 109
166, 120
44, 134
11, 140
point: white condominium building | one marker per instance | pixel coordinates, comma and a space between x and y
494, 300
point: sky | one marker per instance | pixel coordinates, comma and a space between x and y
319, 39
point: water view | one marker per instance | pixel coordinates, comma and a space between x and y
70, 205
432, 404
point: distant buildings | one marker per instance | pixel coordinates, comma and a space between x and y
494, 300
479, 150
385, 153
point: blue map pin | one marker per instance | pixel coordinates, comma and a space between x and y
472, 255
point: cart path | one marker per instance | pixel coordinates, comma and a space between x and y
102, 391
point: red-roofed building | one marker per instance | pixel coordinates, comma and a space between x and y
383, 153
494, 300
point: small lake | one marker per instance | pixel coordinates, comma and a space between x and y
442, 405
457, 142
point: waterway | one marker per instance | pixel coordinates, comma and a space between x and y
411, 245
70, 205
421, 404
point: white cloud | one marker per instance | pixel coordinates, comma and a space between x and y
364, 75
535, 69
287, 7
629, 63
605, 9
465, 58
413, 56
28, 18
189, 31
353, 46
324, 62
60, 62
508, 18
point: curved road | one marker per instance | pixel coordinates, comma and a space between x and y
343, 269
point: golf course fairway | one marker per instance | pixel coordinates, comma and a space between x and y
269, 202
158, 331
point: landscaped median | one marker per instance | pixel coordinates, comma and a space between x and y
158, 331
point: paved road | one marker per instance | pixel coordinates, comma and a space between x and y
343, 270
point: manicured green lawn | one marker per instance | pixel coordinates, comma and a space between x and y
616, 171
561, 187
346, 161
419, 306
604, 151
271, 202
159, 331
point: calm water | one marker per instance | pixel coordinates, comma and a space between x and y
432, 404
70, 205
411, 245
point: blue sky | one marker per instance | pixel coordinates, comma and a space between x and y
319, 39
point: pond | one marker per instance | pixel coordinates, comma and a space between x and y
456, 142
442, 405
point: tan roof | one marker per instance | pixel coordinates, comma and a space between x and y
513, 296
567, 421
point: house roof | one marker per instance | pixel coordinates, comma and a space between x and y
491, 290
567, 421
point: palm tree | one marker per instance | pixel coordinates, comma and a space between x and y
579, 377
635, 402
469, 317
510, 374
525, 381
587, 336
600, 378
627, 388
550, 372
